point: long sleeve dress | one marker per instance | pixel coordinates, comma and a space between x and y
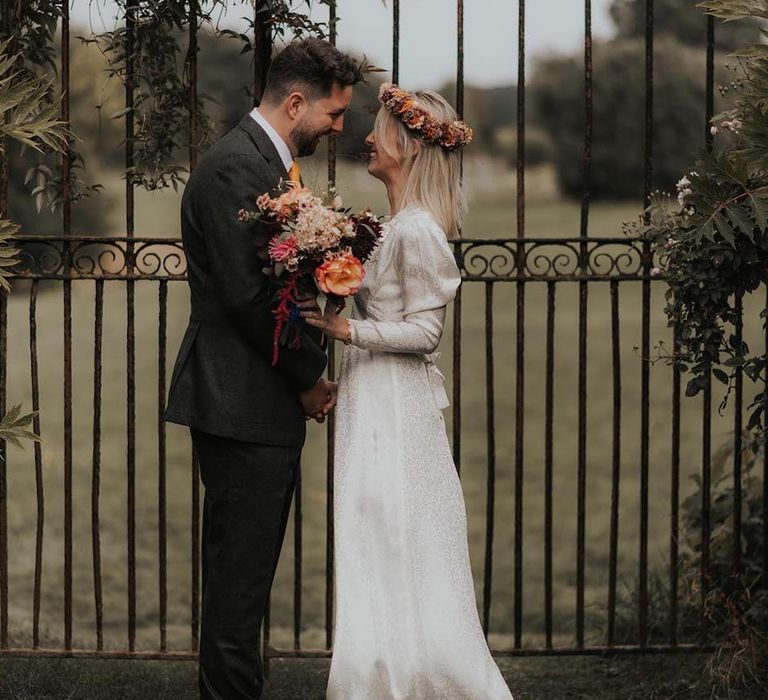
406, 623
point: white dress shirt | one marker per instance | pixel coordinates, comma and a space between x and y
282, 147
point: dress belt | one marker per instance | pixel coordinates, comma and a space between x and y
436, 380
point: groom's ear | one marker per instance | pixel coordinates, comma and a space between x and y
295, 103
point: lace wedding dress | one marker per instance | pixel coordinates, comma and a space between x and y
407, 626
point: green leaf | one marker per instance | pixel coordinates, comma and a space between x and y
730, 10
695, 385
759, 206
739, 215
754, 419
14, 427
706, 230
119, 113
26, 112
724, 228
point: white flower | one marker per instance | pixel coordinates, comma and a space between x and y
655, 272
714, 130
683, 190
337, 203
318, 228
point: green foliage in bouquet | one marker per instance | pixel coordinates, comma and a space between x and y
714, 243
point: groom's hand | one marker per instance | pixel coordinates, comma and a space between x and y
332, 400
318, 400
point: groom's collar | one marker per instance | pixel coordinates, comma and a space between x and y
282, 147
262, 141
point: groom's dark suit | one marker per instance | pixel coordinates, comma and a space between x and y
247, 423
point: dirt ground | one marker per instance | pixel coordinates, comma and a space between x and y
651, 677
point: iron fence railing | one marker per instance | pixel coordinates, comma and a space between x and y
552, 262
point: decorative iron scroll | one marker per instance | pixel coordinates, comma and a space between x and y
501, 259
553, 258
47, 257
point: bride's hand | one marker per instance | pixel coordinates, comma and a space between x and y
329, 322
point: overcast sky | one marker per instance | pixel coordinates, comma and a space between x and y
428, 33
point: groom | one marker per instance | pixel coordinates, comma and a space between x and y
247, 417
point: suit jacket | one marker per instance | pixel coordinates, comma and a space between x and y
224, 382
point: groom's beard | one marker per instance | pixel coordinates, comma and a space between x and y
306, 141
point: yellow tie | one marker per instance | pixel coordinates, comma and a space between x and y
294, 174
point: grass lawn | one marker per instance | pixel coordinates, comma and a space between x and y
491, 215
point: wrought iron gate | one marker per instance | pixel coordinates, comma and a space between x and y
580, 263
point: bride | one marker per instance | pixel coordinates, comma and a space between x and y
406, 619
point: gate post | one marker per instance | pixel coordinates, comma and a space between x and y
262, 49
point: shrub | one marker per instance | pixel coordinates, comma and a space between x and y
557, 97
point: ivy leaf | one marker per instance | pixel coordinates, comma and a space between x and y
695, 385
720, 375
754, 419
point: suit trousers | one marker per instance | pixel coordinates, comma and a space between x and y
248, 492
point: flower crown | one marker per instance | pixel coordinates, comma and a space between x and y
449, 135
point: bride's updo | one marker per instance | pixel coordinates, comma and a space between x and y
432, 170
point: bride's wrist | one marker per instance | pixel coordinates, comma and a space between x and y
347, 334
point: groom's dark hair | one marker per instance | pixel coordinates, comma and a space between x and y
311, 66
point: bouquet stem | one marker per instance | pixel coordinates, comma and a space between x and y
286, 299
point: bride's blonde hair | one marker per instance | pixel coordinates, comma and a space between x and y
433, 174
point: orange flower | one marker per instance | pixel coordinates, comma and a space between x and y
341, 275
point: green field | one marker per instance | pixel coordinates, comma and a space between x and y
492, 214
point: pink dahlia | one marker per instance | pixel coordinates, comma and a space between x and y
281, 250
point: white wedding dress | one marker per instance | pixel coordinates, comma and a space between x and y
407, 626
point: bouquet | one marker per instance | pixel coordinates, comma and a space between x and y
316, 245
